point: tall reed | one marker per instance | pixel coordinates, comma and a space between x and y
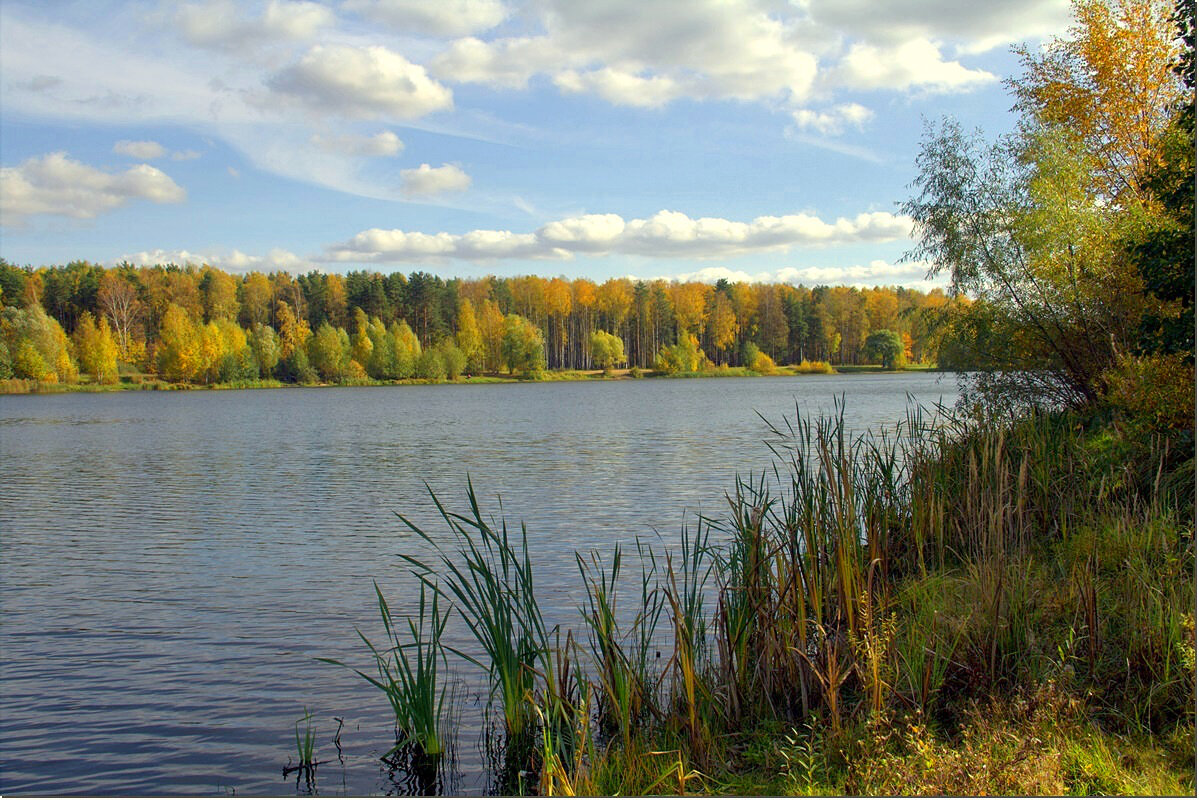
489, 579
410, 672
685, 593
907, 571
626, 688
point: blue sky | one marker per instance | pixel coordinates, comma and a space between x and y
690, 139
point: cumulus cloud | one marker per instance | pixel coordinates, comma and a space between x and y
442, 18
876, 273
262, 89
505, 63
145, 150
833, 121
55, 184
234, 261
671, 233
714, 274
665, 234
360, 82
622, 48
385, 143
425, 180
588, 233
634, 53
620, 88
917, 63
219, 24
976, 27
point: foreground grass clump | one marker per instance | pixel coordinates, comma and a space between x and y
959, 607
1020, 746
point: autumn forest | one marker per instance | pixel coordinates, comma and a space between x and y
85, 322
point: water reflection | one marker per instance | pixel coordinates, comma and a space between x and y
413, 774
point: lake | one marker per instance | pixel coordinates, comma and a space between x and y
174, 563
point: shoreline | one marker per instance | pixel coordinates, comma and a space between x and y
148, 383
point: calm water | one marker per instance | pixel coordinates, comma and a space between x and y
173, 563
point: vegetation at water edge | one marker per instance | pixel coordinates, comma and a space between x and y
993, 599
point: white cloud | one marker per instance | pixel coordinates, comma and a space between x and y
620, 88
671, 233
486, 245
636, 53
834, 120
295, 20
441, 18
589, 233
150, 150
714, 274
975, 27
360, 82
234, 261
504, 63
664, 235
219, 24
425, 180
916, 63
145, 150
630, 52
377, 244
876, 273
57, 185
262, 90
385, 143
108, 82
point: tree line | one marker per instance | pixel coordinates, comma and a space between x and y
205, 325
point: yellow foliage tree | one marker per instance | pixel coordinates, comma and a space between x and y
690, 305
361, 345
722, 323
179, 346
96, 349
491, 328
470, 340
1110, 83
256, 292
293, 331
118, 300
219, 292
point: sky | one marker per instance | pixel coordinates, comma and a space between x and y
681, 139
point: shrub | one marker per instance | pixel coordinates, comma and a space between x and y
453, 358
763, 365
806, 367
430, 366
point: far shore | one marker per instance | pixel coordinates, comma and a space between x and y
149, 382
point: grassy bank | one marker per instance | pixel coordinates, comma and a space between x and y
149, 382
1000, 607
851, 369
